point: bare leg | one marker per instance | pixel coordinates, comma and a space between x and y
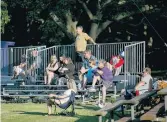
50, 77
45, 77
104, 94
84, 82
49, 110
95, 79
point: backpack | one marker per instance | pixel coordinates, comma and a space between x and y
128, 95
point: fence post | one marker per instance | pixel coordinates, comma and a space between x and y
125, 63
144, 46
10, 54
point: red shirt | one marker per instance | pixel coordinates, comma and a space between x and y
120, 62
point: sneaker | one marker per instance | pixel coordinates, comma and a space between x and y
101, 105
92, 89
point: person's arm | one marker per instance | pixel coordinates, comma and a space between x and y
111, 61
89, 38
120, 63
100, 72
22, 65
54, 68
70, 68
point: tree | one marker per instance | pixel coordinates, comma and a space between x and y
59, 18
4, 16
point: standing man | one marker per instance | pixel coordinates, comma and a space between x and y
81, 41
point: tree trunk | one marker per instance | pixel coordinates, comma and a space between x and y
93, 31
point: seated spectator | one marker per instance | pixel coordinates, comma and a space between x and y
62, 60
90, 74
117, 63
104, 75
20, 69
144, 84
63, 100
35, 64
51, 69
66, 71
85, 67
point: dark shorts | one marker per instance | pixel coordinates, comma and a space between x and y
107, 84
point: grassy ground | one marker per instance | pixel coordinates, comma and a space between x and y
30, 112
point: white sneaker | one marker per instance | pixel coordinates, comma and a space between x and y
101, 105
92, 89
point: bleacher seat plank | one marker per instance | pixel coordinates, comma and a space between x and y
124, 119
152, 114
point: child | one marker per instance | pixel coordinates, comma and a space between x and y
20, 69
104, 75
90, 74
117, 63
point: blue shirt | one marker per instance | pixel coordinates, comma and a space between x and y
85, 63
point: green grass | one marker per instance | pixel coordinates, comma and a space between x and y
30, 112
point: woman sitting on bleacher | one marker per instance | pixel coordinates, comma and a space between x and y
144, 84
51, 69
66, 71
20, 69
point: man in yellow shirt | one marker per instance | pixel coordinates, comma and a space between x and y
81, 41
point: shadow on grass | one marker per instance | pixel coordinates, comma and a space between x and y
87, 119
31, 113
87, 107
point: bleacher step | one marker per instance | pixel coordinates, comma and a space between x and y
124, 119
152, 114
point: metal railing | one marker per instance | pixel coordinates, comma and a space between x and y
134, 62
11, 57
34, 61
100, 51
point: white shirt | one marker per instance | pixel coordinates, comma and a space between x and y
67, 93
147, 80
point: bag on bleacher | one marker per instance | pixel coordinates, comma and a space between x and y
128, 95
162, 84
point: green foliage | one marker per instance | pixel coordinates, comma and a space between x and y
5, 18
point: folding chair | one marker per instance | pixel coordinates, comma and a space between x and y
66, 105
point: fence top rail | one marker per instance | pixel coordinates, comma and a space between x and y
98, 44
24, 47
143, 42
49, 48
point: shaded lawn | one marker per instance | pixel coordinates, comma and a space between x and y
30, 112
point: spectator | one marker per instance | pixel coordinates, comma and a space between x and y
66, 71
81, 41
61, 100
20, 69
51, 69
90, 74
35, 60
35, 63
144, 84
117, 63
104, 75
85, 67
62, 60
